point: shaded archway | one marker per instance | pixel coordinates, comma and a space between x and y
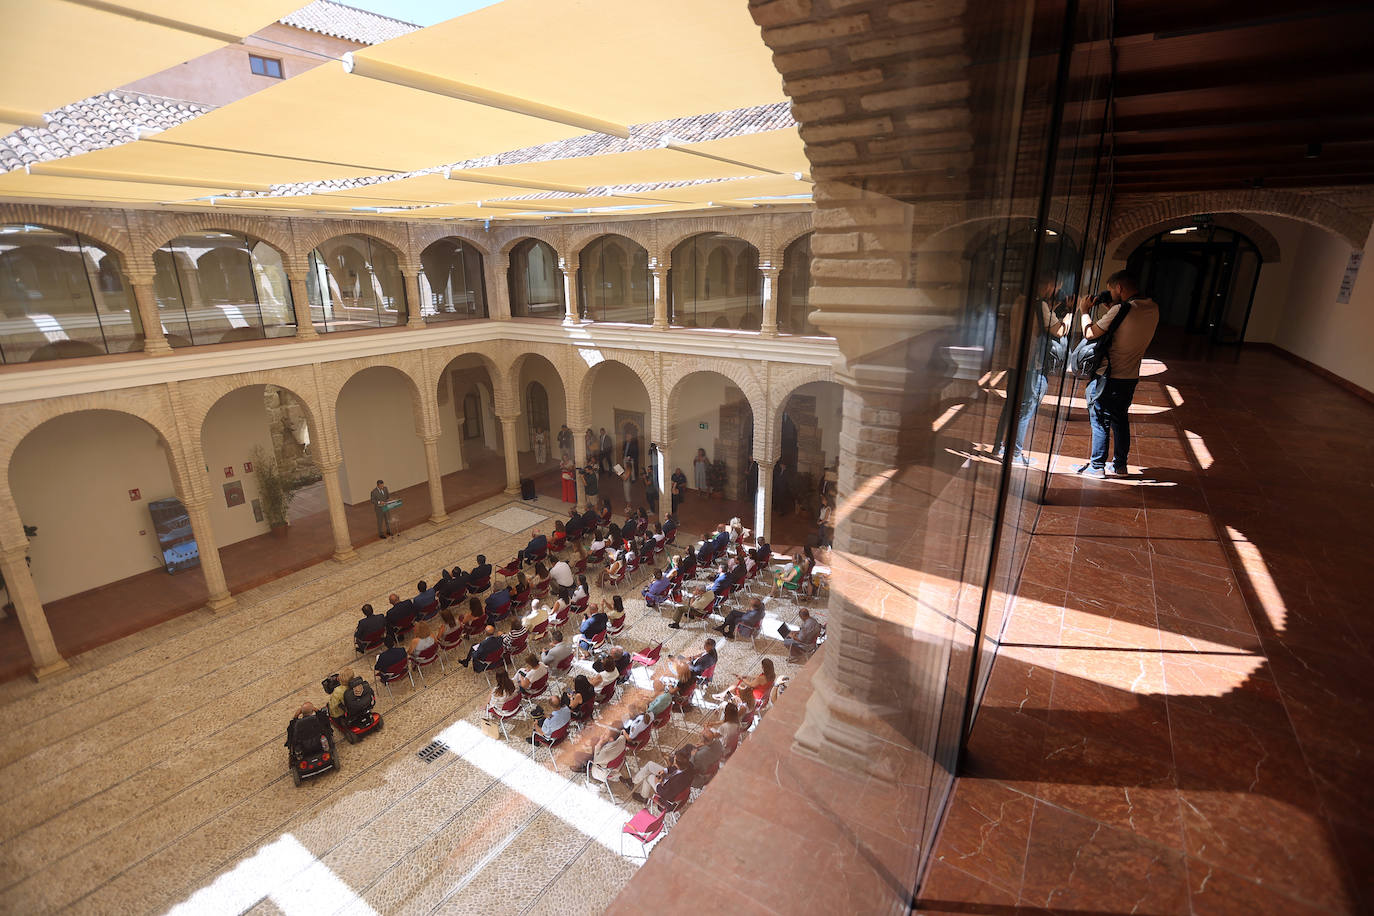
243, 427
794, 290
62, 295
1203, 276
88, 484
543, 406
807, 433
616, 282
217, 287
355, 283
452, 283
714, 283
617, 398
377, 414
471, 445
708, 411
536, 283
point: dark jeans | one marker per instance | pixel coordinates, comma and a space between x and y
1035, 387
1109, 404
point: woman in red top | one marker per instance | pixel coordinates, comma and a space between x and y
569, 482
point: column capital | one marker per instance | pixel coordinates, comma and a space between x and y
14, 554
430, 439
508, 417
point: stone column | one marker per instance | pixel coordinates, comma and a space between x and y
145, 300
300, 301
32, 620
338, 518
508, 443
437, 514
198, 509
578, 425
769, 292
415, 318
498, 286
569, 292
660, 298
763, 500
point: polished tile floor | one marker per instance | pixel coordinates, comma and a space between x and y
1181, 719
153, 775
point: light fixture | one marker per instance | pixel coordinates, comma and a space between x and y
1183, 230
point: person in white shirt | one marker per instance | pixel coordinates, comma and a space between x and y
637, 726
598, 541
537, 615
533, 671
562, 574
583, 590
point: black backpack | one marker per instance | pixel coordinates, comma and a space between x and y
1089, 357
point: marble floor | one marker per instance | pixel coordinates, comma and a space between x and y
152, 778
1180, 717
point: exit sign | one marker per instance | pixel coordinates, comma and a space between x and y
703, 426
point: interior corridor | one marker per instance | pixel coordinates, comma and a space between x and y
1180, 718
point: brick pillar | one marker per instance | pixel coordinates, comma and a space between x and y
198, 509
660, 298
145, 300
497, 268
508, 444
296, 275
769, 290
338, 518
763, 499
578, 425
32, 619
437, 514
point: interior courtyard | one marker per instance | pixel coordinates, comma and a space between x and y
809, 276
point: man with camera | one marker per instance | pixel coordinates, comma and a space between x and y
1110, 393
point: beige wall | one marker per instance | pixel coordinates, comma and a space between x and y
1338, 337
377, 431
224, 75
698, 402
71, 477
1271, 296
616, 386
537, 370
232, 428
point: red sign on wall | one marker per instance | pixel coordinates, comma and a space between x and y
133, 495
248, 467
229, 470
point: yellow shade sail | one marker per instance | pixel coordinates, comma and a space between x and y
624, 61
54, 52
19, 184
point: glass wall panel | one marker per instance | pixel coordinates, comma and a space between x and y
616, 282
714, 283
218, 287
452, 287
355, 282
536, 283
794, 289
62, 295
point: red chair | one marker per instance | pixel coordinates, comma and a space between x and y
614, 579
405, 624
452, 641
519, 602
476, 627
744, 631
552, 741
601, 772
579, 605
377, 642
395, 673
594, 643
671, 806
645, 827
509, 570
596, 556
659, 722
557, 542
635, 745
515, 645
580, 565
649, 657
539, 630
583, 714
615, 627
631, 566
537, 688
558, 617
541, 588
509, 711
564, 666
477, 586
424, 658
606, 694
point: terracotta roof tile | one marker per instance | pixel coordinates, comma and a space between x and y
98, 122
347, 22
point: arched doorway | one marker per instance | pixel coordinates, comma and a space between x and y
536, 283
379, 439
809, 445
714, 283
452, 287
618, 401
1204, 278
355, 282
616, 282
537, 417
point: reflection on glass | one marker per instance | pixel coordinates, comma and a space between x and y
61, 295
218, 287
451, 283
355, 282
794, 288
616, 283
536, 283
715, 283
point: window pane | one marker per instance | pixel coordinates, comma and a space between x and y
355, 282
716, 283
451, 284
208, 286
616, 282
61, 296
536, 282
256, 64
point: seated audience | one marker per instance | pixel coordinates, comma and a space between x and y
610, 571
393, 655
582, 696
705, 759
557, 654
582, 589
425, 599
593, 624
498, 604
547, 724
541, 578
668, 782
336, 696
698, 604
756, 689
400, 614
517, 637
532, 673
657, 590
791, 576
622, 659
369, 629
727, 730
420, 640
753, 617
805, 637
538, 613
535, 549
615, 612
481, 573
448, 629
562, 574
637, 725
485, 654
503, 695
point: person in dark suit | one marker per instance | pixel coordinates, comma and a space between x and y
498, 605
536, 548
380, 495
485, 654
369, 629
481, 572
400, 614
607, 453
453, 584
393, 655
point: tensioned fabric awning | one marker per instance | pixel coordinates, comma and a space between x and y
53, 52
517, 75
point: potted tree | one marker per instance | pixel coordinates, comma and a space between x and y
275, 491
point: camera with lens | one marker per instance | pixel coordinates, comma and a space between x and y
1103, 298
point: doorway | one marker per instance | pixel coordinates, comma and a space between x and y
1203, 277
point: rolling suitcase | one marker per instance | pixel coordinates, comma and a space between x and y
526, 488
